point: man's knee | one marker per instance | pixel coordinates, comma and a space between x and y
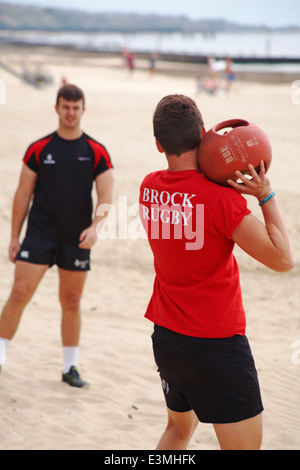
21, 292
70, 301
182, 425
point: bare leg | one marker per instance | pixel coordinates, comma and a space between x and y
179, 431
70, 292
27, 278
244, 435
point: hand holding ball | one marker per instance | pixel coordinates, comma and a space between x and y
221, 155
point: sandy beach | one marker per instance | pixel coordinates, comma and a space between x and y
124, 408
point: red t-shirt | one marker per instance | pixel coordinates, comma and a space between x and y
189, 222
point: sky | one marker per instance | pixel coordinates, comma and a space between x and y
255, 12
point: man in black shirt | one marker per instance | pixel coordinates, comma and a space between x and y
57, 175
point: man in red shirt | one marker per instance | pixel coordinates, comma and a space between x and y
200, 347
58, 173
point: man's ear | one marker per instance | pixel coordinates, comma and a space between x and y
159, 147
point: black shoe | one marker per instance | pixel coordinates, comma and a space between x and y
73, 378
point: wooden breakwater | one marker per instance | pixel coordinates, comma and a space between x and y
260, 69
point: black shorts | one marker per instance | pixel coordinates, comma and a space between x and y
66, 256
216, 378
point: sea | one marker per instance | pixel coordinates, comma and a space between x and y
259, 45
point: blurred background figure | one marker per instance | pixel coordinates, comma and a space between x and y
129, 58
230, 75
152, 63
212, 65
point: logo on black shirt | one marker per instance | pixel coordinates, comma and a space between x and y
83, 159
49, 159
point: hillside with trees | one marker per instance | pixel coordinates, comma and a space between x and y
31, 18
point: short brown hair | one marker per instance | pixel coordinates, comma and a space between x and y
177, 124
70, 93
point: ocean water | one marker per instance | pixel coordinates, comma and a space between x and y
260, 45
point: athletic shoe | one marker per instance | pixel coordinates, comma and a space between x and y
73, 378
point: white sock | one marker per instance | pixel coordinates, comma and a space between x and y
4, 343
70, 355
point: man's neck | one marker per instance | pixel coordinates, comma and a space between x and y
186, 161
69, 134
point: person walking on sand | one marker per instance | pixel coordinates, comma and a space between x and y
58, 173
230, 75
200, 345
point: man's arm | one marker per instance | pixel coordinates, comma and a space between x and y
268, 243
104, 189
21, 202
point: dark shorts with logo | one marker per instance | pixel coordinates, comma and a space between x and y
216, 378
66, 256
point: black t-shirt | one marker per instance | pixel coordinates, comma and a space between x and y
62, 204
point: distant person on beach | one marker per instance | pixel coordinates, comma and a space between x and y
229, 74
211, 85
58, 174
208, 86
129, 59
203, 356
213, 69
63, 80
152, 63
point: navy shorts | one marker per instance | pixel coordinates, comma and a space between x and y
66, 256
216, 378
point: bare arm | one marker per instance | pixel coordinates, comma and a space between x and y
104, 188
21, 202
268, 243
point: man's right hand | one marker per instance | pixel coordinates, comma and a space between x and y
14, 248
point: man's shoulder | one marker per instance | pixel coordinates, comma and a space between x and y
101, 155
41, 141
94, 143
153, 176
35, 148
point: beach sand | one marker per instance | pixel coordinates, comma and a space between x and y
124, 408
